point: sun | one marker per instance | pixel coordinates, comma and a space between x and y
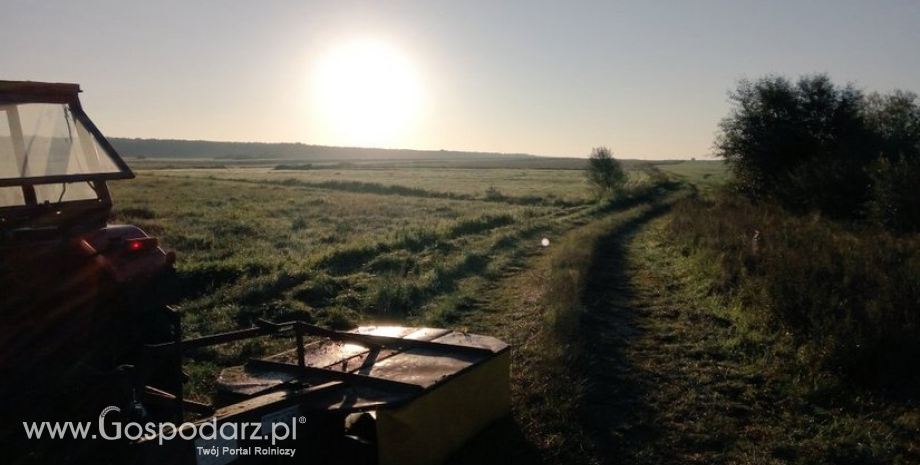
366, 94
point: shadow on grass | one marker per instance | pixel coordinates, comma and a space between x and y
502, 443
615, 413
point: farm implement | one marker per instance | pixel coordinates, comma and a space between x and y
388, 395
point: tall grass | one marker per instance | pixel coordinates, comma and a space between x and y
849, 299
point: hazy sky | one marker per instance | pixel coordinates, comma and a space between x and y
647, 79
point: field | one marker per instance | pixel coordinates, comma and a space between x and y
520, 185
640, 334
707, 173
342, 246
339, 247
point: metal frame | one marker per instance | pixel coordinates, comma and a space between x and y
178, 347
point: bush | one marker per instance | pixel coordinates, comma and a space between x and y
895, 189
604, 172
814, 146
895, 121
493, 194
802, 144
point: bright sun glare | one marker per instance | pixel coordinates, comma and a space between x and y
367, 94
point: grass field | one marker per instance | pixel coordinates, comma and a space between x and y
536, 185
628, 343
704, 173
257, 241
342, 247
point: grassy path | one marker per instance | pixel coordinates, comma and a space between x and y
547, 390
664, 388
645, 377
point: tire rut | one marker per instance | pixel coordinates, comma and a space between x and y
662, 390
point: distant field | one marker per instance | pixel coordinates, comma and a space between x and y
538, 163
701, 172
549, 185
518, 185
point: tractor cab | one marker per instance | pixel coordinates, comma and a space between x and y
66, 276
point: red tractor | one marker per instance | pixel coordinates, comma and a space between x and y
68, 280
77, 296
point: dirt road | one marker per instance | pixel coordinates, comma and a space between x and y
649, 380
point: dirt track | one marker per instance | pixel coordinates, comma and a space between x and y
657, 385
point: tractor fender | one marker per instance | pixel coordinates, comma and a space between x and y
126, 265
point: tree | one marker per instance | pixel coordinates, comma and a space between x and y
895, 121
895, 175
811, 145
604, 172
894, 189
804, 144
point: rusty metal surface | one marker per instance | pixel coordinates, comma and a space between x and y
241, 380
421, 367
409, 361
456, 338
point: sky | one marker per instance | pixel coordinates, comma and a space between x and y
646, 79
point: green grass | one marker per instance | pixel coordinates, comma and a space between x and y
642, 333
848, 298
824, 314
409, 246
258, 241
539, 185
702, 173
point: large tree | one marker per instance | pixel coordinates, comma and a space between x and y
816, 146
803, 144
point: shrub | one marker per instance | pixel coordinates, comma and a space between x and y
604, 172
893, 196
493, 194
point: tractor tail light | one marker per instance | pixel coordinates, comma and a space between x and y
142, 244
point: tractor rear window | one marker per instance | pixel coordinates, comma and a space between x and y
11, 196
64, 192
42, 139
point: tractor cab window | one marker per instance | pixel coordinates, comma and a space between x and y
51, 154
11, 197
40, 140
64, 192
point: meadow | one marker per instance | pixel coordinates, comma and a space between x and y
703, 173
338, 247
520, 185
341, 247
646, 312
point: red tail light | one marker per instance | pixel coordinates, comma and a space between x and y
142, 244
